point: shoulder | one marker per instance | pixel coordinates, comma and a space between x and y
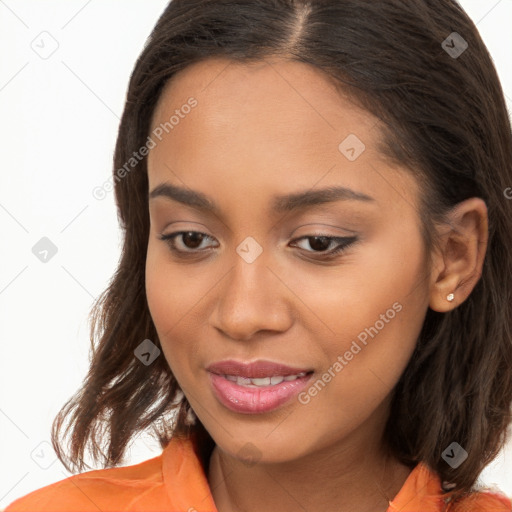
483, 501
102, 489
422, 492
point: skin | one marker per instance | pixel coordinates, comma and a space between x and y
266, 129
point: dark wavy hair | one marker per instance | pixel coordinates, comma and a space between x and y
443, 117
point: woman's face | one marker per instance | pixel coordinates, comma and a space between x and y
251, 283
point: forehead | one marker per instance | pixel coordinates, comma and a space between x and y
276, 123
274, 91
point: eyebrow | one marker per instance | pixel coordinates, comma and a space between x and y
280, 204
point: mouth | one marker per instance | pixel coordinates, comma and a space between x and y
263, 381
256, 369
257, 387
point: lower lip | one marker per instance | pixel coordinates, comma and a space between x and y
254, 400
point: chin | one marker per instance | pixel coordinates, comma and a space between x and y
269, 443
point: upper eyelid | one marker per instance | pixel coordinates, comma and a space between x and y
308, 235
292, 216
332, 238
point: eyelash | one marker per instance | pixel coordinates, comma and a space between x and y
344, 243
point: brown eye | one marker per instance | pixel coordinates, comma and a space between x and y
192, 239
185, 241
321, 243
188, 243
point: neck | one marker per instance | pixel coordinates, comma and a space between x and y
345, 477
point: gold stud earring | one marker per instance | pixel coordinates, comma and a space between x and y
450, 297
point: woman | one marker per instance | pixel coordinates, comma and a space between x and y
312, 308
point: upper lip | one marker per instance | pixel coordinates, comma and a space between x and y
255, 369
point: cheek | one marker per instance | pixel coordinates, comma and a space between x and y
159, 288
364, 364
171, 289
164, 298
375, 311
174, 295
348, 299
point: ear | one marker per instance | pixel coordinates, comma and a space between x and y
457, 264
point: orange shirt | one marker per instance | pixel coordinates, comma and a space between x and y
175, 481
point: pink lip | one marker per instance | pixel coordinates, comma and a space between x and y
252, 400
256, 369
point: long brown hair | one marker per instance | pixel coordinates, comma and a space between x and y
444, 116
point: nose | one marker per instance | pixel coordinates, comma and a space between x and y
252, 298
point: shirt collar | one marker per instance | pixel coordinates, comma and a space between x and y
421, 492
184, 477
187, 485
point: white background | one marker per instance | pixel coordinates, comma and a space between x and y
59, 119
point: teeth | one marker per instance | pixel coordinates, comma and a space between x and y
264, 381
